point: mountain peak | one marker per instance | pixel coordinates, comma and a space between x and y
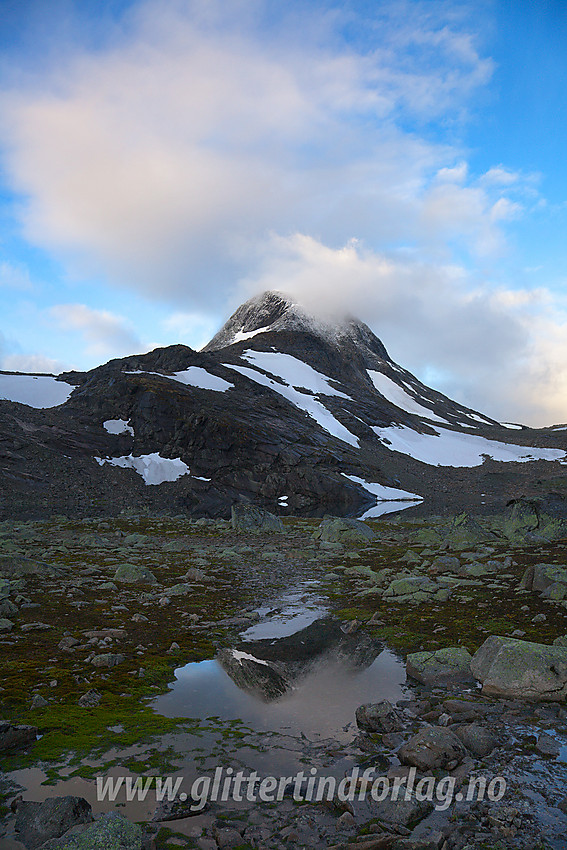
274, 311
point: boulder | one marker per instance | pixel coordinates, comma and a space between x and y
445, 564
339, 530
433, 747
14, 566
477, 739
110, 832
465, 531
519, 669
378, 717
443, 667
38, 823
536, 520
13, 736
252, 518
545, 575
398, 813
412, 589
134, 574
108, 659
520, 519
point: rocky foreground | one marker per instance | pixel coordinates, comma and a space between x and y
96, 614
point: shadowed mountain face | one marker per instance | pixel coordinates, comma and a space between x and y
299, 414
272, 667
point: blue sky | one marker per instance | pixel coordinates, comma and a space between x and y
402, 160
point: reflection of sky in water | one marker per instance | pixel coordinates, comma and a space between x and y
383, 508
323, 702
290, 613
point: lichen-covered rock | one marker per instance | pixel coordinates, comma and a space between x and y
433, 747
108, 659
134, 574
339, 530
545, 575
38, 823
442, 667
252, 518
536, 520
378, 717
411, 584
110, 832
465, 531
519, 669
445, 564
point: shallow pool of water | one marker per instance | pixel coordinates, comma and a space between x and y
326, 692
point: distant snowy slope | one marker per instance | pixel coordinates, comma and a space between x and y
39, 391
397, 395
452, 448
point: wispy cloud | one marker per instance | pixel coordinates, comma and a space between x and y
15, 277
105, 334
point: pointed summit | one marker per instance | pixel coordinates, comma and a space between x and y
277, 312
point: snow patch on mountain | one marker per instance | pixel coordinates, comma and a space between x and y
153, 468
39, 391
395, 394
194, 376
118, 426
451, 448
240, 336
293, 372
312, 406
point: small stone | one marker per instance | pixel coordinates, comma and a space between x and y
90, 700
346, 821
539, 618
38, 702
547, 746
67, 643
174, 647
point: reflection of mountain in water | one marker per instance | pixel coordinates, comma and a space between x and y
271, 667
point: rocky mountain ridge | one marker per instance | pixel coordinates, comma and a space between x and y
294, 413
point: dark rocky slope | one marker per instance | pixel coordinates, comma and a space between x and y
277, 409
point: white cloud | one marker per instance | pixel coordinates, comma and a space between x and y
500, 351
162, 159
105, 334
32, 363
